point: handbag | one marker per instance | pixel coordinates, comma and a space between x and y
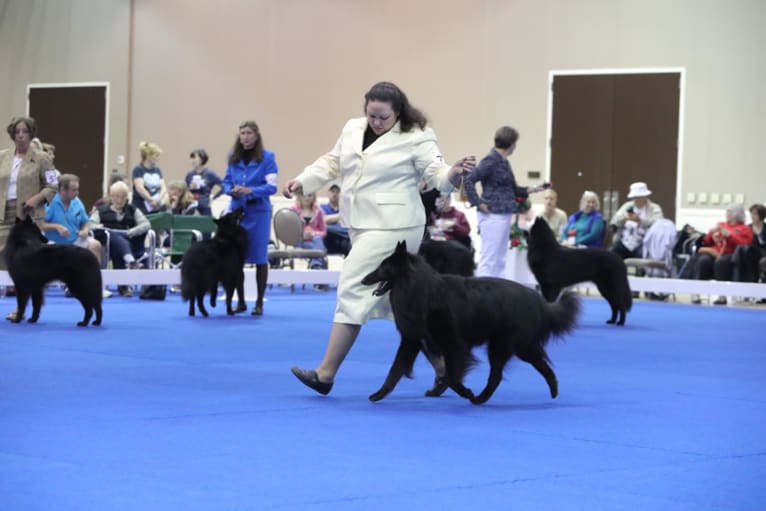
153, 292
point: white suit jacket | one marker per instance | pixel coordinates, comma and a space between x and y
380, 185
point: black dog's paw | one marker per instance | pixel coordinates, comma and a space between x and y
479, 400
440, 385
96, 322
464, 392
81, 323
30, 320
610, 321
380, 394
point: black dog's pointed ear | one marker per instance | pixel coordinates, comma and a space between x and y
401, 248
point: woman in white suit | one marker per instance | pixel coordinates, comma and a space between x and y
379, 160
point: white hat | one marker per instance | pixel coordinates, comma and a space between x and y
639, 190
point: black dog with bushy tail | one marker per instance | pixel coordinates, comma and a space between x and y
452, 314
220, 259
32, 264
556, 267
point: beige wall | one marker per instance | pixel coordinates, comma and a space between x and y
300, 68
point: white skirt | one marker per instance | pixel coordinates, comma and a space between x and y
356, 304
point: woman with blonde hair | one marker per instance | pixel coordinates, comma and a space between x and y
586, 226
148, 185
180, 199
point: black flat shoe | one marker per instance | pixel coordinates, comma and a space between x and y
310, 379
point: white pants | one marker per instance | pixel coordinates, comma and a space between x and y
356, 304
495, 229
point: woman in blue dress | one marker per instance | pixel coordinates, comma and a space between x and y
251, 178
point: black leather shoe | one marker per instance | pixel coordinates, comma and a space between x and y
310, 379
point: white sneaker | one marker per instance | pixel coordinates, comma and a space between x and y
106, 293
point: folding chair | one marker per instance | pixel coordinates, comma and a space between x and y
288, 228
188, 229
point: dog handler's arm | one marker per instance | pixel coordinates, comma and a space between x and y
326, 168
48, 185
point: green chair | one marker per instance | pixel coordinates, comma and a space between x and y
161, 224
181, 231
188, 229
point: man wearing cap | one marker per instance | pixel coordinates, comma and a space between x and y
633, 219
337, 240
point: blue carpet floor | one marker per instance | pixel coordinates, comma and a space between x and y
158, 411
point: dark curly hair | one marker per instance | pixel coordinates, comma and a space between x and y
29, 121
408, 115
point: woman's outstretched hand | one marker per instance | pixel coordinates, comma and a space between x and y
292, 186
463, 166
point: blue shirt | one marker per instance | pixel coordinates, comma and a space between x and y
261, 177
204, 183
589, 227
327, 209
152, 182
73, 219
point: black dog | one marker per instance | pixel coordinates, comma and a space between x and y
448, 257
452, 314
556, 267
220, 259
32, 264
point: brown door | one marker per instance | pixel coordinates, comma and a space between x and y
611, 130
581, 141
74, 120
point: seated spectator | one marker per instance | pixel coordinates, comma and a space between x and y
180, 200
204, 184
115, 176
67, 222
632, 220
585, 228
337, 240
555, 217
714, 257
750, 260
314, 229
50, 150
448, 223
128, 227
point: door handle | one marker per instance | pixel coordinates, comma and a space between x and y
606, 201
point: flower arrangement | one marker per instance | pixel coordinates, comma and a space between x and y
517, 238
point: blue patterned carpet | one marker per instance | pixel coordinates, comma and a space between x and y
158, 411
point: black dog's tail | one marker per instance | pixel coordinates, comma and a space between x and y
562, 315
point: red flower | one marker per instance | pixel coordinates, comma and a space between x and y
515, 242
